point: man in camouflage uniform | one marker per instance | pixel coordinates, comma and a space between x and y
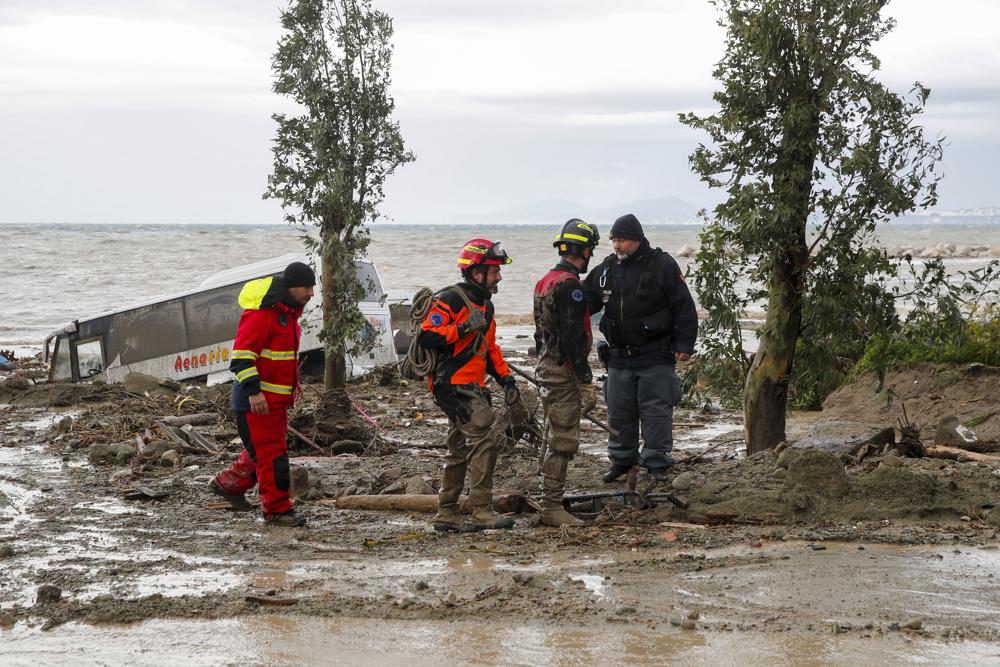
563, 340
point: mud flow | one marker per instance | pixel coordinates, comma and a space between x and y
113, 550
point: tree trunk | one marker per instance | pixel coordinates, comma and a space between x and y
765, 396
335, 401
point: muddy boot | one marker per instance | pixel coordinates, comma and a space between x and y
287, 519
448, 519
238, 501
484, 518
616, 472
553, 486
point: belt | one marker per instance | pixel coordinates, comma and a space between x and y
627, 351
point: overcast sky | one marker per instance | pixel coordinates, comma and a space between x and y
159, 111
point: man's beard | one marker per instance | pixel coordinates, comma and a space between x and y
622, 256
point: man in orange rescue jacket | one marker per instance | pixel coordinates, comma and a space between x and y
460, 326
265, 362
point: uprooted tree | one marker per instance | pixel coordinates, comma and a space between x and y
813, 152
332, 158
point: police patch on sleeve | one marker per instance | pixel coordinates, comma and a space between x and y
436, 319
577, 295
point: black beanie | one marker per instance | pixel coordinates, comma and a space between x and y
627, 227
298, 274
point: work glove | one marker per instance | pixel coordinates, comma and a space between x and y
475, 322
511, 394
588, 398
515, 405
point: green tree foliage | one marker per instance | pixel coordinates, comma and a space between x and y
331, 159
812, 152
950, 319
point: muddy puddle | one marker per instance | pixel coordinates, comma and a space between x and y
284, 640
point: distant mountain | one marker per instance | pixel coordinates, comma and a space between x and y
662, 209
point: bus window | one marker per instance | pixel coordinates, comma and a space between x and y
369, 282
62, 369
89, 358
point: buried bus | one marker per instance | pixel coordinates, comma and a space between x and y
191, 334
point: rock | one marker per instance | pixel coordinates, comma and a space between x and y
48, 593
523, 578
952, 434
300, 481
399, 486
694, 615
780, 447
7, 620
683, 482
140, 383
815, 472
686, 251
124, 451
62, 426
20, 384
171, 458
74, 443
890, 460
6, 551
913, 624
845, 438
688, 624
393, 472
779, 473
785, 457
155, 449
422, 585
417, 484
407, 601
101, 452
172, 385
993, 516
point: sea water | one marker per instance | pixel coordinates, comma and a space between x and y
53, 274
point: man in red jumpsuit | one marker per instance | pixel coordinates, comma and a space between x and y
265, 362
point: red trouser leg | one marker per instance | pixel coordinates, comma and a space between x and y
268, 435
239, 477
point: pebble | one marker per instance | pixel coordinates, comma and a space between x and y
422, 585
523, 578
688, 624
6, 551
913, 624
7, 620
694, 615
683, 482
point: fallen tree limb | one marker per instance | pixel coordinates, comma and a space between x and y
307, 440
956, 454
426, 502
199, 419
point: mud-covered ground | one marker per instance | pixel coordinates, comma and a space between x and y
796, 541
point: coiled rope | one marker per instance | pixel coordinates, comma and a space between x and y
420, 361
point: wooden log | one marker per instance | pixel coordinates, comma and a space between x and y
403, 502
955, 453
427, 502
199, 419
